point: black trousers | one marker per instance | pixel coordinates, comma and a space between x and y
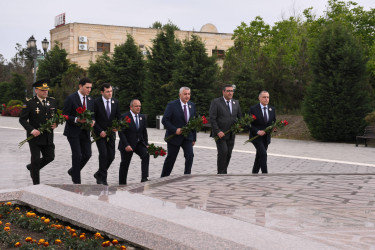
170, 160
106, 156
224, 153
126, 157
260, 162
81, 154
37, 163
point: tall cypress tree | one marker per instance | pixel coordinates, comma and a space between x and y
161, 63
128, 72
197, 71
337, 100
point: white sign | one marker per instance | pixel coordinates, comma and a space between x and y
60, 20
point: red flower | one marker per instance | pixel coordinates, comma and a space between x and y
204, 119
156, 152
254, 117
285, 122
127, 119
79, 110
66, 117
4, 105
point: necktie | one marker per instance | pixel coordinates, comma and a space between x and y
265, 115
107, 109
228, 106
136, 122
185, 113
44, 103
84, 102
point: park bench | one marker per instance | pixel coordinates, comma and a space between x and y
368, 134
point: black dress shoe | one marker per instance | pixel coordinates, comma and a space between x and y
28, 166
144, 180
70, 172
104, 182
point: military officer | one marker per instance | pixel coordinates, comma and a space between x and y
38, 110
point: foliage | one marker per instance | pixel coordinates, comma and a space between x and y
241, 124
161, 63
128, 72
54, 65
370, 118
337, 101
100, 72
17, 87
194, 124
160, 26
271, 128
5, 88
197, 71
156, 151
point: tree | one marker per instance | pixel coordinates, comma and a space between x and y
197, 71
161, 63
100, 72
128, 72
17, 90
53, 66
337, 100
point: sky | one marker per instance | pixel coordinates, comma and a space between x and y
19, 19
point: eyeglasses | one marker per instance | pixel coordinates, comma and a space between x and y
229, 90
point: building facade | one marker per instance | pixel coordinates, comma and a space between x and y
85, 42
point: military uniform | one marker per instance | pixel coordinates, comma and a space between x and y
32, 117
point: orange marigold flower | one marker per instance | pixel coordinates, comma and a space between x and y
46, 244
28, 239
41, 241
123, 248
82, 237
7, 224
18, 244
114, 242
74, 235
43, 218
97, 235
106, 243
57, 241
17, 209
1, 222
9, 203
68, 228
7, 229
46, 221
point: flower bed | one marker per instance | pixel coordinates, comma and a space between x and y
24, 229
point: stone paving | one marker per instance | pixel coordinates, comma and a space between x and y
318, 193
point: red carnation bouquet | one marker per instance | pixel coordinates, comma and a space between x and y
193, 124
117, 125
239, 126
85, 114
57, 118
269, 129
156, 150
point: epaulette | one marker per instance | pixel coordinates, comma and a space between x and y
28, 99
50, 97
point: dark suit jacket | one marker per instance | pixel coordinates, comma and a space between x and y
34, 115
220, 117
102, 122
259, 124
131, 135
174, 118
72, 102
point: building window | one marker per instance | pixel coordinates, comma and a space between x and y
217, 52
101, 47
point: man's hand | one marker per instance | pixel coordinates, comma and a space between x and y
261, 132
128, 149
93, 123
103, 134
114, 130
178, 131
35, 133
81, 121
221, 134
54, 125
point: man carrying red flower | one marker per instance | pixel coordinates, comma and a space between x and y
38, 110
224, 112
76, 129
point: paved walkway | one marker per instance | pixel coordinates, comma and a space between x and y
285, 156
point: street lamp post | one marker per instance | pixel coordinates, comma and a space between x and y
31, 46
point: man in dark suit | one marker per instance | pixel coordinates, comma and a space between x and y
38, 110
176, 115
106, 109
134, 140
265, 115
78, 138
224, 112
